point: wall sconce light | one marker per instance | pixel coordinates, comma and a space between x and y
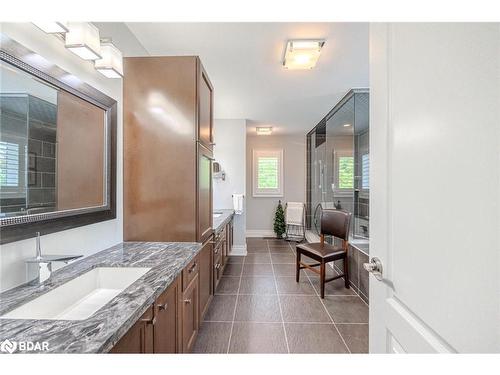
110, 64
83, 40
264, 130
302, 54
52, 27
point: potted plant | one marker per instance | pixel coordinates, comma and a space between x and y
279, 221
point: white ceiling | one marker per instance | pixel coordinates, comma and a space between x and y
243, 61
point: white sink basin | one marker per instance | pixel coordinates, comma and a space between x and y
217, 215
79, 298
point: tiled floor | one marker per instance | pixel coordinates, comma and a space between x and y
259, 308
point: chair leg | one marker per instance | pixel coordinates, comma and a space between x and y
297, 271
322, 278
346, 272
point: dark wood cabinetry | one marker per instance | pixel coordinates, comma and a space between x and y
190, 314
167, 126
139, 338
167, 329
205, 108
205, 276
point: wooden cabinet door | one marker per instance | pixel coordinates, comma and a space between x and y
139, 338
190, 311
205, 108
218, 268
167, 328
205, 214
205, 275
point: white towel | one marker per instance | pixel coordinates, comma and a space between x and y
238, 203
294, 213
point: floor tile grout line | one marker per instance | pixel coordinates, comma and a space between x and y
328, 313
235, 306
279, 303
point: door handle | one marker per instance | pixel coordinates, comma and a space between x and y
375, 268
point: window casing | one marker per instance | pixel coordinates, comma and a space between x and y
267, 173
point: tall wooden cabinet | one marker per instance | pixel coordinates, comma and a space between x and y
168, 126
168, 147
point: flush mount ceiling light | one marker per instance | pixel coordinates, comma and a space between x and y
111, 63
264, 130
52, 27
302, 54
83, 40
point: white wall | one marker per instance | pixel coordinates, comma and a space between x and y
260, 210
83, 240
229, 151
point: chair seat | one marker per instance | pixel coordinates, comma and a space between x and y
316, 251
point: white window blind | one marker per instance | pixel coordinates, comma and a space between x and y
365, 171
268, 173
9, 164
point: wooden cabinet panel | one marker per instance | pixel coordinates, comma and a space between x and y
159, 129
218, 267
190, 311
205, 214
139, 338
167, 329
205, 276
205, 108
190, 272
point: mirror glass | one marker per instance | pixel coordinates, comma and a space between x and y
52, 147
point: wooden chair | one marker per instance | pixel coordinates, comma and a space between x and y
335, 223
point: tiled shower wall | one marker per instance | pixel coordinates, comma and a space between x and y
42, 148
358, 276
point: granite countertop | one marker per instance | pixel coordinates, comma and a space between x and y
222, 220
105, 327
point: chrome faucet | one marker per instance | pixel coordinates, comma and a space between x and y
40, 267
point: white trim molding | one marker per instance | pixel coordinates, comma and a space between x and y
260, 233
238, 250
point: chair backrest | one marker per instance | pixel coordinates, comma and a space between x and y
336, 223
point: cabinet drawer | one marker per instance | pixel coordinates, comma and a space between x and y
190, 272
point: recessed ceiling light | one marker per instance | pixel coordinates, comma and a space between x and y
264, 130
52, 27
83, 40
347, 125
302, 54
111, 63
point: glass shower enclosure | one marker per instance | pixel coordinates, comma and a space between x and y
338, 165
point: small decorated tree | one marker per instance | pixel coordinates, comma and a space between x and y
279, 221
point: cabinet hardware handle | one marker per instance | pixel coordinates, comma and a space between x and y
163, 307
187, 301
192, 268
149, 321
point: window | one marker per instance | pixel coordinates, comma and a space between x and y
268, 173
9, 164
346, 172
365, 171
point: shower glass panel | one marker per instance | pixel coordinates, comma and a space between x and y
338, 164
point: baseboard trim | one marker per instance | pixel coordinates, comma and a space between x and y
260, 233
239, 250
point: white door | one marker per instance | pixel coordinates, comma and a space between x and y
435, 187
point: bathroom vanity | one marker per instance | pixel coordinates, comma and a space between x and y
158, 312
